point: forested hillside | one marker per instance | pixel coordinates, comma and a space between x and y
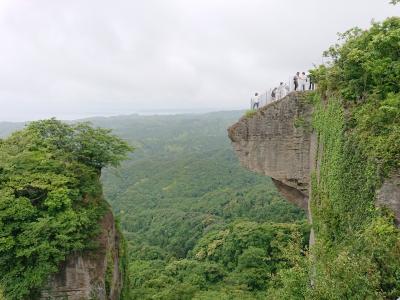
198, 224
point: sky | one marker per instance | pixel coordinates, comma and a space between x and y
78, 58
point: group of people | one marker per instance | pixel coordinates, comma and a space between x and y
301, 82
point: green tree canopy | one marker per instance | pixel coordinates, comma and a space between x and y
364, 63
50, 198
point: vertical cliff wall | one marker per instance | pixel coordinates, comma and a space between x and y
93, 274
278, 141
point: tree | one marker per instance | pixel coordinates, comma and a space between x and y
364, 63
48, 171
357, 119
94, 147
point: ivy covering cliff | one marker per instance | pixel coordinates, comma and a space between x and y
357, 120
50, 199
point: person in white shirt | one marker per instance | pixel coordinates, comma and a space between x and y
287, 88
282, 91
302, 81
256, 101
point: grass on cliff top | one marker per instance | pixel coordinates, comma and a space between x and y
250, 113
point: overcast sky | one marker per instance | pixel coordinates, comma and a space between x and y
77, 58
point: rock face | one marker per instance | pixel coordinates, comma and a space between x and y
389, 194
277, 142
91, 275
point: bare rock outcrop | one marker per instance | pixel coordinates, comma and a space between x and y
389, 194
277, 141
92, 274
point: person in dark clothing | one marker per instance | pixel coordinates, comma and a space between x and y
296, 81
311, 81
273, 94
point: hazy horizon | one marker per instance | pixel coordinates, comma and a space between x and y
77, 117
75, 59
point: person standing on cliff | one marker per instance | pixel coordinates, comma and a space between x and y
303, 81
311, 81
256, 101
273, 94
296, 80
282, 92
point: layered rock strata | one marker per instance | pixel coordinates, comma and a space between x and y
277, 141
92, 274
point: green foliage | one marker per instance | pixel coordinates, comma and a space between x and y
229, 268
250, 113
168, 200
293, 282
356, 118
303, 124
93, 147
347, 178
109, 272
182, 188
366, 63
377, 129
50, 199
227, 246
251, 252
124, 259
182, 182
352, 266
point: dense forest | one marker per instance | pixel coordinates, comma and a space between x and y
198, 224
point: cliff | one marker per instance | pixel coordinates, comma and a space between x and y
91, 275
342, 164
61, 241
278, 141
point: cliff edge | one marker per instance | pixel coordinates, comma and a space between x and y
277, 142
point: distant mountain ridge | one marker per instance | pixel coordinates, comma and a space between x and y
7, 127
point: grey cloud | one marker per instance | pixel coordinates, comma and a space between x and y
76, 58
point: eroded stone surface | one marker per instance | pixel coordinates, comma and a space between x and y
389, 194
277, 142
83, 276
